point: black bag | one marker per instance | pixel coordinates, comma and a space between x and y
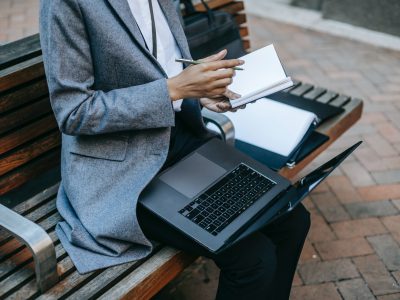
211, 31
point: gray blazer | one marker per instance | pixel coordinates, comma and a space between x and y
112, 105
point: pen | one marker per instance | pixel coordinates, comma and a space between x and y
196, 62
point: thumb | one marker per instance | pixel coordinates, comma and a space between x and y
218, 56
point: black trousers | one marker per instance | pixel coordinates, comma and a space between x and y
260, 266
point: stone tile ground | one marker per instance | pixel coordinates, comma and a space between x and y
353, 249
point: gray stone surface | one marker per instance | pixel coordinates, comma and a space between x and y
355, 289
319, 272
371, 209
383, 15
387, 249
312, 4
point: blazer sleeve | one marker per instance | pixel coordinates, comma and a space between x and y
78, 108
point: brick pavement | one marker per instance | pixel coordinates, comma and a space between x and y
353, 249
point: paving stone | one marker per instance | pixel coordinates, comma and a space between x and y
297, 280
330, 207
355, 289
371, 209
380, 145
393, 225
308, 253
387, 249
358, 228
357, 173
315, 292
343, 248
334, 270
380, 192
390, 132
344, 190
375, 274
389, 297
396, 203
319, 231
396, 276
387, 176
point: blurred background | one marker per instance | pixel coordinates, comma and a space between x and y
351, 47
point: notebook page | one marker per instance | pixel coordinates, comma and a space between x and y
262, 69
271, 125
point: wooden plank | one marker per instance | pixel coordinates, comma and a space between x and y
333, 128
24, 115
246, 44
152, 276
21, 73
314, 93
240, 19
29, 152
244, 31
233, 7
27, 133
301, 89
30, 170
20, 50
327, 97
340, 101
213, 4
23, 94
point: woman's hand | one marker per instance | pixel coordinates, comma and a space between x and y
208, 79
221, 104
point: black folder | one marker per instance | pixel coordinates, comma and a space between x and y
276, 161
323, 111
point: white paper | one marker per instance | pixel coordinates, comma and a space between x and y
262, 72
271, 125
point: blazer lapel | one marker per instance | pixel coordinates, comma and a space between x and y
175, 25
122, 9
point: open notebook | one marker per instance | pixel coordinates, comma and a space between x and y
263, 75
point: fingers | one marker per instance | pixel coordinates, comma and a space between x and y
223, 64
224, 73
231, 95
224, 106
215, 57
221, 83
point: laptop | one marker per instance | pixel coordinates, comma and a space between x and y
217, 195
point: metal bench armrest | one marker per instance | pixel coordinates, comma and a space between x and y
39, 243
223, 123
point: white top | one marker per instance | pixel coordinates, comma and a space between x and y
167, 48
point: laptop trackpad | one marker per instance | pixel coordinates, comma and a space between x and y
192, 175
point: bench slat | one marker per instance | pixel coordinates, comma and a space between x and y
17, 51
27, 133
301, 89
340, 101
21, 73
21, 175
27, 93
314, 93
30, 152
24, 115
153, 275
232, 7
327, 97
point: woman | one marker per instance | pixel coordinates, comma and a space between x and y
127, 110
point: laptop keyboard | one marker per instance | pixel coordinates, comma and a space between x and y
224, 201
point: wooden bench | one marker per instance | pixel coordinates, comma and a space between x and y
29, 175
